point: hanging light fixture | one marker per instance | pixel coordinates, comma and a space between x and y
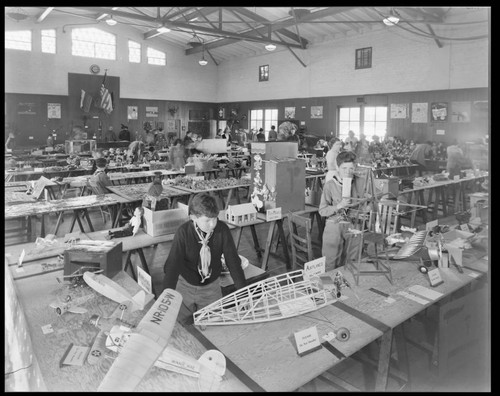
110, 21
16, 14
392, 19
203, 61
163, 29
270, 47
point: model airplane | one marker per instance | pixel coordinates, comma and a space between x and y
76, 278
112, 290
148, 343
278, 297
71, 305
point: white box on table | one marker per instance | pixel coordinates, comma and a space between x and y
164, 222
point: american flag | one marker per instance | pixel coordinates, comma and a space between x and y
106, 98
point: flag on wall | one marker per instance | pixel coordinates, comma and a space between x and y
106, 97
85, 101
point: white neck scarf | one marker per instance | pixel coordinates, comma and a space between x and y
205, 257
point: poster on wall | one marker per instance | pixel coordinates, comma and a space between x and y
289, 112
316, 111
439, 111
132, 112
419, 112
151, 111
460, 111
53, 110
399, 110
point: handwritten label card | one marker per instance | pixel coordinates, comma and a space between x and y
314, 267
435, 277
21, 258
307, 340
75, 355
273, 214
144, 280
464, 227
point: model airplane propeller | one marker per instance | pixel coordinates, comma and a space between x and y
147, 345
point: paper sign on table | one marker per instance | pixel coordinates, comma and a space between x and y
413, 297
273, 214
425, 292
75, 355
307, 340
21, 258
435, 277
314, 267
144, 280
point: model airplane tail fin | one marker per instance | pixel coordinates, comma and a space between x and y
141, 299
212, 368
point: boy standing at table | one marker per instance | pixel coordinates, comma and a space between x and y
100, 179
193, 266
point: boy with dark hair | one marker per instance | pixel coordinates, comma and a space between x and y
193, 266
100, 179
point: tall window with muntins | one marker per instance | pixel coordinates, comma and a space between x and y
364, 58
368, 120
48, 37
156, 57
18, 39
263, 118
134, 52
93, 43
375, 122
349, 120
264, 73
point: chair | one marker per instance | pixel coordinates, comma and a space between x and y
99, 190
300, 240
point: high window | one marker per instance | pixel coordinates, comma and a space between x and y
49, 41
369, 120
264, 73
156, 57
134, 52
18, 39
263, 118
93, 43
363, 58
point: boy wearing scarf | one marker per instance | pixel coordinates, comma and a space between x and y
193, 266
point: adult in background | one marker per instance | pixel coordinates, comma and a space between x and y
419, 155
134, 153
335, 208
261, 137
193, 266
177, 154
456, 161
350, 141
124, 134
10, 143
272, 134
336, 147
362, 150
110, 135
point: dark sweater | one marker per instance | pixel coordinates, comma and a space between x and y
185, 254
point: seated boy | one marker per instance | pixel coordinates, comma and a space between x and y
100, 179
193, 266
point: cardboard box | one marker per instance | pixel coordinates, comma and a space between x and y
104, 255
164, 221
79, 146
288, 179
388, 187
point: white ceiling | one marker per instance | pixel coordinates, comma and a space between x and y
228, 32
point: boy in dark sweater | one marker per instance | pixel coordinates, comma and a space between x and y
193, 266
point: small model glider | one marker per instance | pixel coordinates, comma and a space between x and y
112, 290
71, 305
148, 343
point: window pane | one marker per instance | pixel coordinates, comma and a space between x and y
344, 113
369, 113
94, 43
156, 57
49, 41
355, 112
381, 113
20, 40
134, 52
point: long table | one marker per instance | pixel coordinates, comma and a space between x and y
265, 355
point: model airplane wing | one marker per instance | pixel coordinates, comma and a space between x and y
145, 346
98, 349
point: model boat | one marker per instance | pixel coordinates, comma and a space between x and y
278, 297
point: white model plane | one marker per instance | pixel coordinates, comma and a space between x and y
71, 305
148, 343
112, 290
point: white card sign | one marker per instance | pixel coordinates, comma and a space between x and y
314, 267
464, 227
346, 187
307, 340
21, 258
39, 186
75, 355
435, 277
273, 214
144, 280
431, 224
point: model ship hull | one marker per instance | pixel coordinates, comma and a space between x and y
275, 298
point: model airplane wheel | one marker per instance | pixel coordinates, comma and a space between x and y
423, 269
58, 311
96, 353
343, 334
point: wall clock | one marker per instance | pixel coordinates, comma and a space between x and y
95, 69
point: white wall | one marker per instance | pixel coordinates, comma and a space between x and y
40, 73
401, 62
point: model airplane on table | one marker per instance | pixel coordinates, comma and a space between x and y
71, 305
112, 290
148, 343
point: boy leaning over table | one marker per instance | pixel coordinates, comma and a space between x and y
193, 266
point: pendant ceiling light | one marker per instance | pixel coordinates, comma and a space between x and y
392, 19
110, 21
163, 29
17, 14
203, 61
270, 47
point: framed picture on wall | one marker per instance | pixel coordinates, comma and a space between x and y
316, 111
419, 112
132, 112
289, 112
439, 111
460, 111
151, 111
